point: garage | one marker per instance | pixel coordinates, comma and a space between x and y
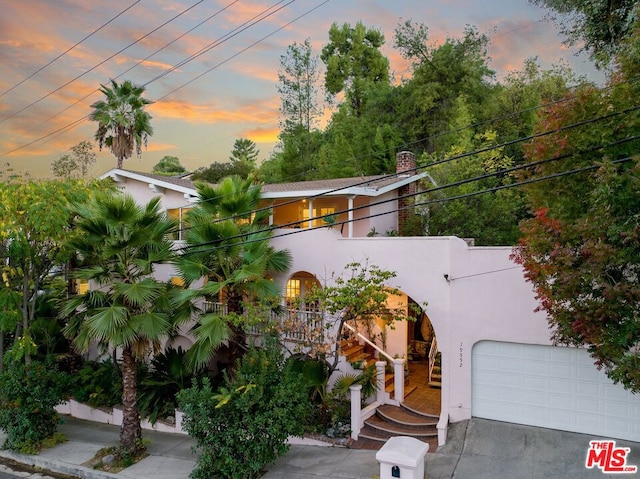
553, 387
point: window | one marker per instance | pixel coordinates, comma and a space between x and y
178, 214
82, 286
318, 214
292, 293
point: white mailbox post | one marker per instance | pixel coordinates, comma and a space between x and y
402, 457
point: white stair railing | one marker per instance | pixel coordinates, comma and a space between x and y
433, 354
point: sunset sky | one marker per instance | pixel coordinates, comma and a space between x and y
227, 89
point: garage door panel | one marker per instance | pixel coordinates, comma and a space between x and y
550, 387
561, 385
535, 367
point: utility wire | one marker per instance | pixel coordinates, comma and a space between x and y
99, 64
462, 128
436, 200
140, 62
248, 47
440, 200
233, 33
62, 129
448, 159
69, 49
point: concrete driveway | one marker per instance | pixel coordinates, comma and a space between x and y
475, 449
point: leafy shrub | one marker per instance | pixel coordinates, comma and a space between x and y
28, 395
244, 426
98, 384
168, 374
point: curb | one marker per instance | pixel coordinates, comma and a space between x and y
57, 466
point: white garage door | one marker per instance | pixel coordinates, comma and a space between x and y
552, 387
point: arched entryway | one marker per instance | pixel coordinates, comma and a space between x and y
423, 391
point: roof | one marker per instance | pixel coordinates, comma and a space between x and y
358, 186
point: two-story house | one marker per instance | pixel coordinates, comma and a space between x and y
497, 361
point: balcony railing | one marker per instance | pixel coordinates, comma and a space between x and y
297, 324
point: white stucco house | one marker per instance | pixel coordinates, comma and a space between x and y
496, 357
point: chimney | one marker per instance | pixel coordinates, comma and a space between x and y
406, 167
405, 163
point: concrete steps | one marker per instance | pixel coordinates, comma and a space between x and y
390, 421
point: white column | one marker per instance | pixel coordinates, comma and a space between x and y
398, 379
355, 410
350, 217
310, 214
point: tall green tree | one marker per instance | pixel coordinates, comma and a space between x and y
118, 245
441, 75
75, 164
123, 123
598, 27
354, 62
297, 86
515, 106
489, 218
35, 219
244, 151
168, 166
228, 245
581, 250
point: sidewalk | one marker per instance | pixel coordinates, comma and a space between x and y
475, 449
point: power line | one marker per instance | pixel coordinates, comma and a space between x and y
233, 33
436, 200
69, 49
99, 64
440, 200
60, 130
250, 46
144, 59
460, 156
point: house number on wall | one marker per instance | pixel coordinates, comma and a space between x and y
460, 365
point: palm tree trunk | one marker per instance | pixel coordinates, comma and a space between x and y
131, 432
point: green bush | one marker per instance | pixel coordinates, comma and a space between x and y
98, 384
28, 396
167, 375
245, 424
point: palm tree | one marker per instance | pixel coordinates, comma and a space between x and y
118, 243
123, 124
228, 243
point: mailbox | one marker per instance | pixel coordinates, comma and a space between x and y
402, 457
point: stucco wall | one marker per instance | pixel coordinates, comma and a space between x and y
472, 293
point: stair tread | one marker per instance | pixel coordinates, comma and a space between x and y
352, 349
419, 413
404, 416
382, 426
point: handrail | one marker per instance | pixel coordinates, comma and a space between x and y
366, 340
433, 353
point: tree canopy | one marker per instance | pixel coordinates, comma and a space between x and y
75, 164
581, 250
168, 166
354, 62
35, 219
598, 27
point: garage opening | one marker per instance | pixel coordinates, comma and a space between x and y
553, 387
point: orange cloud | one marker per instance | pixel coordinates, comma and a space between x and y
262, 135
250, 111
